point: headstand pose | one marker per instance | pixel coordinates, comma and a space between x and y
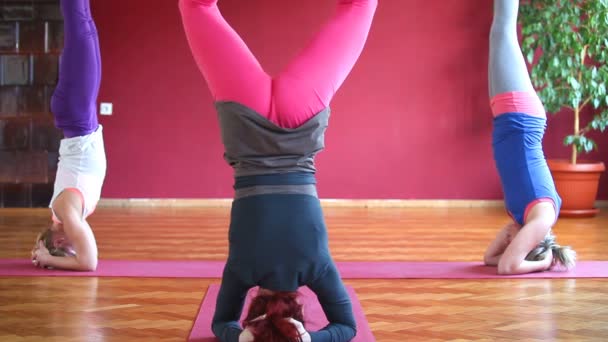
527, 244
70, 243
271, 129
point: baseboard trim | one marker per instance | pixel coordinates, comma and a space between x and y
165, 202
398, 203
343, 203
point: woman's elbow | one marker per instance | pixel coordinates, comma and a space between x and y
353, 330
349, 329
89, 265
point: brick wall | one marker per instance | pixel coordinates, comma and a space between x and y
31, 37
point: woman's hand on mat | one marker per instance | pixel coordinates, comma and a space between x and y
40, 255
548, 260
502, 241
247, 336
303, 333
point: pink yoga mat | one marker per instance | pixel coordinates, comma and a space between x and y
348, 270
315, 318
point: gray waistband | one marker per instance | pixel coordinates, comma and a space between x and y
307, 189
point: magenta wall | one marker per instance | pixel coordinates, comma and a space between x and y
412, 120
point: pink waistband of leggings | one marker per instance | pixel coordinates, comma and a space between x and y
525, 102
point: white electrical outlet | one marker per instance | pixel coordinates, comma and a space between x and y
105, 108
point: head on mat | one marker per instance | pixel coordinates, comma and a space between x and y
56, 241
562, 255
274, 317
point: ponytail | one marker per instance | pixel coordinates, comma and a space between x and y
562, 255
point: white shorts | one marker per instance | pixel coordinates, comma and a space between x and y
81, 168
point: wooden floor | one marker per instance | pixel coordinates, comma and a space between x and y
121, 309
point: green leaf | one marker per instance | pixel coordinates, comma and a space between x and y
574, 83
569, 140
530, 56
576, 99
593, 84
588, 145
594, 72
601, 89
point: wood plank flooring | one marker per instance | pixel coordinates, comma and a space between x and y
149, 309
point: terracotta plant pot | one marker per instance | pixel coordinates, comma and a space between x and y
577, 185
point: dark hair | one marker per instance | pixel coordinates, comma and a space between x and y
563, 255
274, 327
47, 239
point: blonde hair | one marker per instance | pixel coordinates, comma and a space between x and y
563, 255
47, 239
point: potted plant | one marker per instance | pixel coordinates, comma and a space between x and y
566, 42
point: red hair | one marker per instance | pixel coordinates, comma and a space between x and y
274, 328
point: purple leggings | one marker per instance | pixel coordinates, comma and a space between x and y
74, 102
300, 91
